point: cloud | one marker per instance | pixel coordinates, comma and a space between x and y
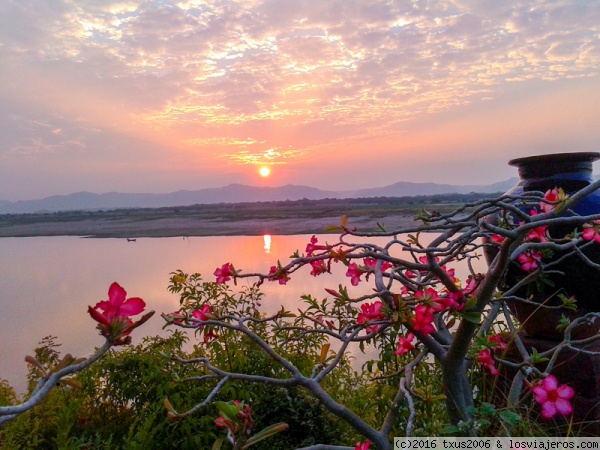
192, 76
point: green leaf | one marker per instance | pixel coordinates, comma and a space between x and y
450, 430
536, 357
471, 316
487, 408
423, 215
265, 433
569, 303
228, 409
509, 417
563, 323
218, 444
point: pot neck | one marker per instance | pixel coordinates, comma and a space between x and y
561, 166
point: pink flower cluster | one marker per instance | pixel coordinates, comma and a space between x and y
370, 264
362, 446
371, 312
203, 314
429, 303
531, 259
278, 274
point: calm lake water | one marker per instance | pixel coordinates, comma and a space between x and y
47, 283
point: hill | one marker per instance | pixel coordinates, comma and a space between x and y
233, 193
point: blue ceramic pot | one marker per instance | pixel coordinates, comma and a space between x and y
571, 172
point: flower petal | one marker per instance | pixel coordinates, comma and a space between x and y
97, 316
104, 305
548, 410
563, 406
566, 392
116, 294
540, 393
550, 383
132, 307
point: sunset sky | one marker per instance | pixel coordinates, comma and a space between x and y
157, 96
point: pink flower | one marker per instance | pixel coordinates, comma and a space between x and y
451, 273
354, 272
471, 285
371, 264
209, 335
497, 239
457, 300
277, 274
117, 306
363, 446
113, 315
552, 198
224, 273
318, 267
336, 294
487, 362
325, 322
405, 344
538, 234
424, 260
498, 341
453, 300
430, 299
553, 398
201, 314
423, 320
592, 232
370, 312
530, 260
312, 246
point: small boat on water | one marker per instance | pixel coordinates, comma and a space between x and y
131, 239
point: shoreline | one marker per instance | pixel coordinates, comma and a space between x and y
176, 227
234, 219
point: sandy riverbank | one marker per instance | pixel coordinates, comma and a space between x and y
126, 227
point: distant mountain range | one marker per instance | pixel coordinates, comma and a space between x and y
233, 193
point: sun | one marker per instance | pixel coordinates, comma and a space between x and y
264, 171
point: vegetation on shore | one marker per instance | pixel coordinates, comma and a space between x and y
283, 217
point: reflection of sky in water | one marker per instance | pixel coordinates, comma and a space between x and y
48, 282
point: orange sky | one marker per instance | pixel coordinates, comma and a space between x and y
157, 96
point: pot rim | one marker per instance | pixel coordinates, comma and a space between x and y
555, 157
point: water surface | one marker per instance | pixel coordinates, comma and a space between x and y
47, 283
